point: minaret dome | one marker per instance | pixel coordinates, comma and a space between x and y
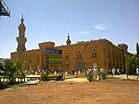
68, 40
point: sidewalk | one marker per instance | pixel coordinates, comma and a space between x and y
121, 76
77, 80
124, 76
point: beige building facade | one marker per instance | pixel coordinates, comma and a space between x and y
80, 56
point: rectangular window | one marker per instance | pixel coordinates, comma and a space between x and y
79, 56
94, 55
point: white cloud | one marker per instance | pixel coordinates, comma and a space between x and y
101, 27
85, 32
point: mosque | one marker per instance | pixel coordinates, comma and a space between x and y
70, 57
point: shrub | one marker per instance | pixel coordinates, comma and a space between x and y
103, 76
3, 85
58, 78
90, 77
12, 81
44, 76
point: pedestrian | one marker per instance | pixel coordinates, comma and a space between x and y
101, 71
137, 72
95, 72
109, 72
118, 71
113, 71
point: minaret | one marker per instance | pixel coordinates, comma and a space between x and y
68, 40
21, 40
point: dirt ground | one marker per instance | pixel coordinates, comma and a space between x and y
114, 91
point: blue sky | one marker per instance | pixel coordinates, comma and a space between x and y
51, 20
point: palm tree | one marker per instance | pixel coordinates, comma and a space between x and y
13, 69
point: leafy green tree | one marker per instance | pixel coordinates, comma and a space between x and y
137, 49
132, 64
1, 69
13, 69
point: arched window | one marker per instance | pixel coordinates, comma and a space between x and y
79, 55
67, 56
94, 54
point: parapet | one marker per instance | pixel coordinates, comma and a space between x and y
45, 45
124, 47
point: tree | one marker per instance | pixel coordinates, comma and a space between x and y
137, 49
13, 69
132, 64
1, 69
